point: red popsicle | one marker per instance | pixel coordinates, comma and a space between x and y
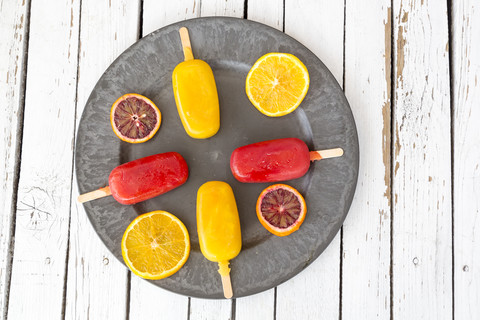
142, 179
275, 160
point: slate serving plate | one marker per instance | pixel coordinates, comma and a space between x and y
231, 46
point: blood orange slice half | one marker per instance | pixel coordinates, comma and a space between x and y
135, 118
281, 209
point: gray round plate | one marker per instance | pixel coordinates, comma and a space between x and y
230, 46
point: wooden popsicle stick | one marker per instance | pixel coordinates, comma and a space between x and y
224, 271
100, 193
325, 154
227, 286
187, 46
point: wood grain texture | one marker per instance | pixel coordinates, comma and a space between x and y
366, 231
466, 124
95, 276
229, 8
422, 216
157, 14
148, 301
303, 297
43, 205
259, 306
269, 12
13, 17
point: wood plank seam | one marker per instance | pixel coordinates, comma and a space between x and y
64, 298
452, 140
140, 20
392, 141
18, 157
340, 285
127, 297
275, 289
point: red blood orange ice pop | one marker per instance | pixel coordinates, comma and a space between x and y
275, 160
142, 179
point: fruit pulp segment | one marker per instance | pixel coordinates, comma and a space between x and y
218, 224
271, 161
156, 244
148, 177
278, 83
281, 208
196, 98
135, 118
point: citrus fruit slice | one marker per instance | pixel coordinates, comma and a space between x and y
135, 118
155, 245
277, 84
281, 209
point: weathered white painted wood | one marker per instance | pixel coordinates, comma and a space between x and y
314, 293
13, 15
318, 25
203, 309
43, 205
269, 12
366, 232
95, 277
230, 8
148, 301
157, 14
259, 306
422, 217
466, 97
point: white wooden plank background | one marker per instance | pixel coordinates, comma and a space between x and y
422, 213
366, 231
95, 277
43, 204
397, 264
466, 120
13, 21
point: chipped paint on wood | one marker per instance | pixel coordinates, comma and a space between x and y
366, 262
92, 269
386, 109
466, 124
42, 208
12, 53
421, 149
